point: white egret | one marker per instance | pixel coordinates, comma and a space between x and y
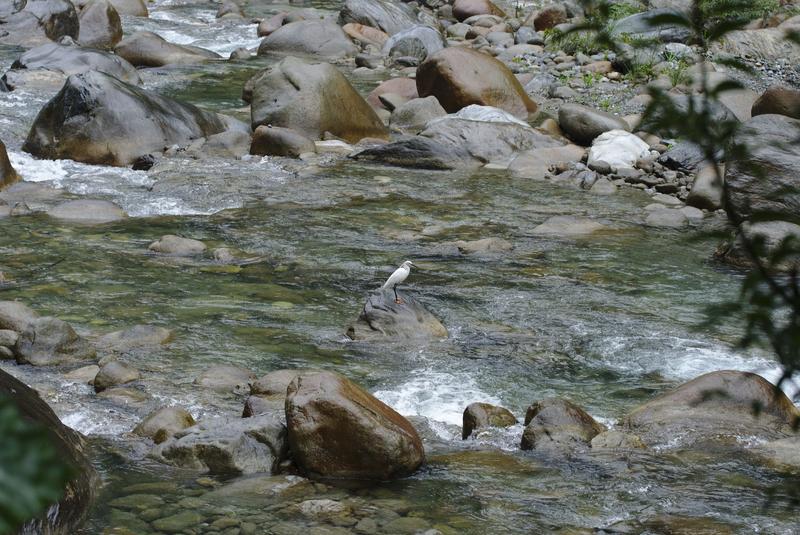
399, 275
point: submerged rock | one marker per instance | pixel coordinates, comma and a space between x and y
226, 378
383, 318
558, 424
98, 119
136, 337
163, 423
50, 341
568, 226
172, 245
326, 414
7, 173
717, 406
228, 445
316, 38
68, 515
487, 82
147, 49
480, 415
88, 211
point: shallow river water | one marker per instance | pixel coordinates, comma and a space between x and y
606, 321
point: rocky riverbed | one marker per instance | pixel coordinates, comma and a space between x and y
201, 200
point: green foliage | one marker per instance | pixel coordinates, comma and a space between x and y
32, 476
622, 10
572, 43
640, 71
742, 11
677, 70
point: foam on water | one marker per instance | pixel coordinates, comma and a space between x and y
33, 170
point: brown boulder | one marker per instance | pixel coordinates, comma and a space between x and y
458, 77
7, 173
365, 34
164, 422
464, 9
549, 17
404, 87
337, 430
478, 415
558, 424
778, 100
277, 141
716, 406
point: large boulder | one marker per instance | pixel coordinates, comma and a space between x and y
482, 415
556, 424
146, 49
390, 17
326, 414
312, 98
459, 76
766, 178
16, 316
768, 44
417, 42
707, 189
771, 234
228, 445
316, 38
412, 116
163, 423
276, 141
717, 406
778, 100
66, 60
382, 317
403, 87
33, 22
7, 173
642, 26
226, 378
583, 124
48, 341
69, 513
98, 119
100, 25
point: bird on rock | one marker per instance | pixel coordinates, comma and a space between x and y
399, 275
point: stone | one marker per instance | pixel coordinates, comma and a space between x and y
8, 175
277, 141
49, 341
315, 38
70, 447
717, 406
135, 8
325, 413
385, 15
226, 378
487, 82
768, 44
402, 87
163, 423
267, 26
603, 186
613, 439
417, 41
84, 374
179, 522
484, 246
720, 116
276, 382
420, 153
172, 245
683, 156
641, 26
536, 163
567, 226
34, 22
779, 100
583, 124
383, 318
617, 148
229, 9
100, 25
707, 189
481, 415
367, 35
666, 219
136, 337
765, 179
228, 446
98, 119
124, 396
115, 373
63, 61
87, 211
549, 17
771, 233
16, 316
147, 49
312, 98
556, 424
464, 9
255, 405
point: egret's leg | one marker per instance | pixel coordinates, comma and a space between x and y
397, 299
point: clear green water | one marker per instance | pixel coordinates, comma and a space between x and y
606, 321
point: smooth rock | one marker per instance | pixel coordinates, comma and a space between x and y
366, 35
147, 49
464, 9
100, 25
707, 189
618, 148
34, 22
402, 87
315, 38
412, 116
567, 226
616, 440
779, 100
172, 245
418, 42
556, 424
226, 378
481, 415
49, 341
84, 374
387, 16
666, 219
163, 423
16, 316
136, 8
583, 124
8, 175
383, 318
115, 373
326, 413
277, 141
88, 211
136, 337
484, 246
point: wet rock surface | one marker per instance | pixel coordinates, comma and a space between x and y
383, 318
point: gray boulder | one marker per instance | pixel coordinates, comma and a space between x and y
163, 423
641, 26
412, 116
16, 316
391, 17
228, 445
69, 514
49, 341
383, 318
707, 189
136, 337
417, 42
33, 22
100, 25
115, 373
582, 124
420, 153
766, 178
66, 60
87, 211
556, 424
326, 414
717, 407
226, 378
276, 141
312, 98
770, 233
98, 119
146, 49
276, 382
482, 415
683, 156
136, 8
315, 38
